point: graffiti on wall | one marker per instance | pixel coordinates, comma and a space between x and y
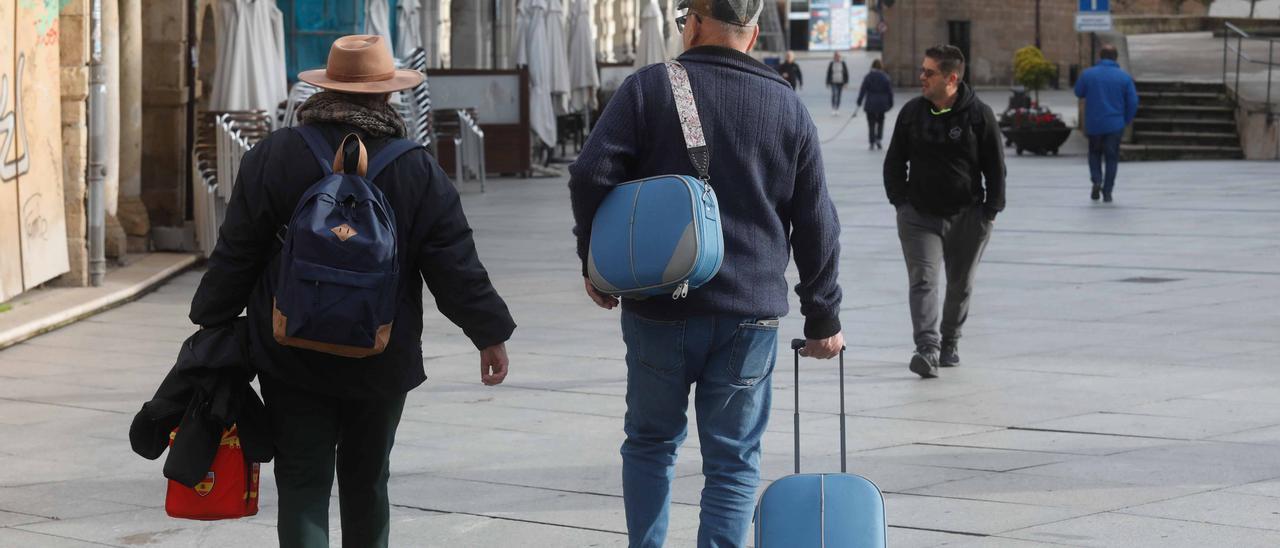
45, 13
13, 128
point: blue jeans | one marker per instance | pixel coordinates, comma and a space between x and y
1108, 145
731, 360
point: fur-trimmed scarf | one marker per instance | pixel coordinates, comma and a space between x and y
370, 113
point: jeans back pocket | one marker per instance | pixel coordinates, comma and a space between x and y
755, 350
657, 345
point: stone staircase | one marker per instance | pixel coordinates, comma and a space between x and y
1183, 121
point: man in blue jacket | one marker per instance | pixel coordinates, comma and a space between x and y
766, 169
1110, 103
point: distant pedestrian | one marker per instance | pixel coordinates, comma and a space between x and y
331, 409
944, 172
1110, 103
877, 91
719, 342
837, 79
790, 72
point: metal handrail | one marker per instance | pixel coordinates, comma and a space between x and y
1240, 36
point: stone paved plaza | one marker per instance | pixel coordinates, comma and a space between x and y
1119, 388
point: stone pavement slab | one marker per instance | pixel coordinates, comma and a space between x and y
1118, 386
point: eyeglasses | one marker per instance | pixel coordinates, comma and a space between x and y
929, 73
681, 20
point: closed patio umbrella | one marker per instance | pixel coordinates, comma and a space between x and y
557, 57
251, 73
408, 28
377, 19
584, 77
653, 47
542, 116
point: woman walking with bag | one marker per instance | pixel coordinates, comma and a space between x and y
877, 91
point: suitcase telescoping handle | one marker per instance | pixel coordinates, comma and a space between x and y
796, 345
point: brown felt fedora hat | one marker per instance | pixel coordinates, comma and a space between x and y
361, 63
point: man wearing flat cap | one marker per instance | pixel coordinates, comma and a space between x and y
327, 410
766, 169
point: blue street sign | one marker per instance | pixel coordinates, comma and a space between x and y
1095, 5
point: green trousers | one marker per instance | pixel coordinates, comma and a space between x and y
315, 433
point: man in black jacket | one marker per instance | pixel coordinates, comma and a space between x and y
326, 408
944, 172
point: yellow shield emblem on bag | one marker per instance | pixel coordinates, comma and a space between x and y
203, 488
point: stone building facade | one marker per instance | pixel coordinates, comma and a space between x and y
995, 30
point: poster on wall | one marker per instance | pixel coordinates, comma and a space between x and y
858, 26
10, 161
832, 25
820, 25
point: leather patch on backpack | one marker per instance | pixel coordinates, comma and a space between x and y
344, 231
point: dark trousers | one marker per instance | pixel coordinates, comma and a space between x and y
931, 245
313, 434
875, 123
1105, 146
836, 91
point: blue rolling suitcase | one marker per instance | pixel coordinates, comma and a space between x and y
820, 510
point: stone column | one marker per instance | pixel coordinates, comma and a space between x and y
164, 134
505, 33
115, 237
73, 46
472, 47
131, 212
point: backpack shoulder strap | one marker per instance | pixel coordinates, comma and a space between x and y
319, 147
388, 154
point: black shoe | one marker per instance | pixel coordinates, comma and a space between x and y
1096, 193
950, 356
924, 364
872, 146
1106, 197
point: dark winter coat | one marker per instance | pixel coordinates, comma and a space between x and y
831, 72
877, 92
205, 392
944, 163
433, 239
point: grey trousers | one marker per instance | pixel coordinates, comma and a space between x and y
931, 244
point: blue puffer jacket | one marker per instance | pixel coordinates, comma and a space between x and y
1110, 98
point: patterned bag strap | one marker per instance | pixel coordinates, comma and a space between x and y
687, 108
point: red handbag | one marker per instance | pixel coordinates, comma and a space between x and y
229, 490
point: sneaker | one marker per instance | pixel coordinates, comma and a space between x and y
950, 356
1106, 197
924, 364
1096, 193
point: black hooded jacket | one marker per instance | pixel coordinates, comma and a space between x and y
945, 163
433, 239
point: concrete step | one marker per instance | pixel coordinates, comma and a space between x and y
1186, 98
1191, 87
1186, 138
1182, 112
1150, 123
1141, 152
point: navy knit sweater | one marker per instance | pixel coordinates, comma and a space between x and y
766, 168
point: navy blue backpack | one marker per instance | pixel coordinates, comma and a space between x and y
339, 270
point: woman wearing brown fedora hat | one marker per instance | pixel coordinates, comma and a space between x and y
329, 411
